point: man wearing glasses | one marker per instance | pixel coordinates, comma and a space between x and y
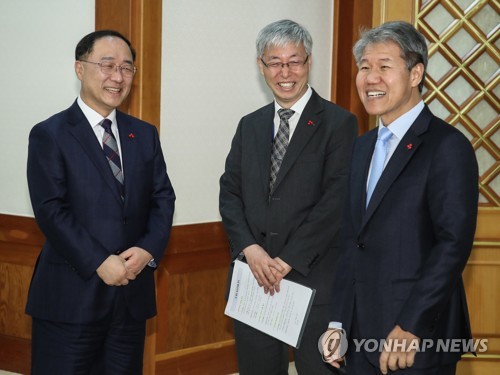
102, 198
282, 194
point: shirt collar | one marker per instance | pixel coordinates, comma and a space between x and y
92, 116
299, 106
400, 126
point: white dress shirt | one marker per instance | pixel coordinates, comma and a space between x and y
298, 108
95, 118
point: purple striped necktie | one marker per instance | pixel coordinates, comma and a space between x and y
110, 148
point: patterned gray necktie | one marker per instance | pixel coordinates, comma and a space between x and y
280, 144
110, 149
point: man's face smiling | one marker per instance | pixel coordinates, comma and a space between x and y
105, 92
287, 84
385, 86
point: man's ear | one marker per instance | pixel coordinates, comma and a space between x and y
261, 65
79, 69
417, 74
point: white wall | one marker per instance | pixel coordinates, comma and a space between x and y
37, 79
210, 80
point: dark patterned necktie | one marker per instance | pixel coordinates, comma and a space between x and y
280, 145
110, 148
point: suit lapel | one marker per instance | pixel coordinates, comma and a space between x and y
308, 123
363, 151
263, 143
82, 131
405, 150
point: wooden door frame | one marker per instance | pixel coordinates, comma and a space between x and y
141, 22
349, 18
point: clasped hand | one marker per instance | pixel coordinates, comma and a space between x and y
268, 272
118, 270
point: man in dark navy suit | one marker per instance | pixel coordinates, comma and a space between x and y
102, 198
409, 232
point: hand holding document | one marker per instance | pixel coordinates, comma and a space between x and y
282, 315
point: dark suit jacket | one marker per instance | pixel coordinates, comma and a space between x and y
300, 220
403, 256
77, 205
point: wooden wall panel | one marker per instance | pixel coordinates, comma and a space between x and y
481, 274
390, 10
481, 280
180, 331
191, 284
20, 242
114, 14
190, 335
14, 284
487, 230
146, 36
349, 18
208, 360
471, 366
15, 354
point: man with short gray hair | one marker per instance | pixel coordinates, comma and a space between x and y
282, 194
409, 222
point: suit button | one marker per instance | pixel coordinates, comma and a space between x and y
361, 245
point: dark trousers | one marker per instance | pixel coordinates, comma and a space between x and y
114, 345
261, 354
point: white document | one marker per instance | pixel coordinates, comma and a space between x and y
282, 316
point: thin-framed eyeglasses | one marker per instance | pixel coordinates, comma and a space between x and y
292, 65
128, 70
